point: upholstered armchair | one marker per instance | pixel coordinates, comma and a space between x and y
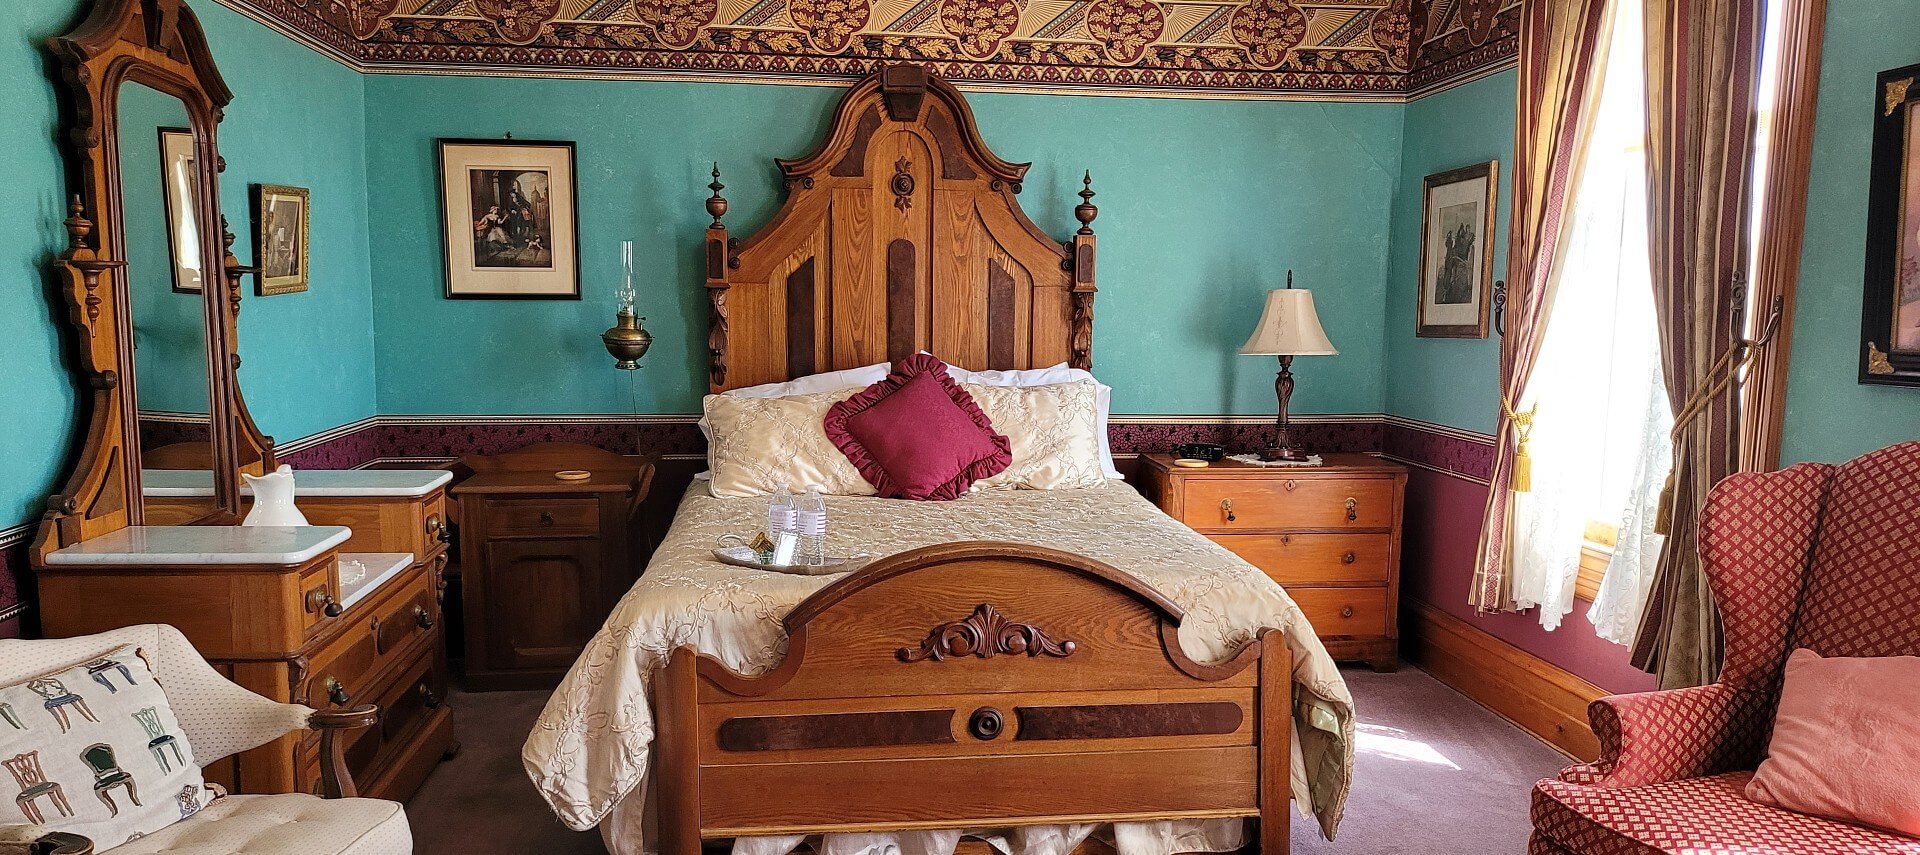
1816, 556
219, 719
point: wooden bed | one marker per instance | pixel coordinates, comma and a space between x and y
967, 685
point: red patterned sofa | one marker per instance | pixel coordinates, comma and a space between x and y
1817, 556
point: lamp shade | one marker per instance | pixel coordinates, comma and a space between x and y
1289, 327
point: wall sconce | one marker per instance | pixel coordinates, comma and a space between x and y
628, 340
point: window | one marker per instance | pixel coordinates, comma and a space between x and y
1599, 442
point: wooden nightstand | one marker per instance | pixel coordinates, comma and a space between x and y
1330, 534
542, 560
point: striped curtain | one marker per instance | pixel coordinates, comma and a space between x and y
1702, 79
1559, 50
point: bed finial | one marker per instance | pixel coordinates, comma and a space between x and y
716, 204
1085, 211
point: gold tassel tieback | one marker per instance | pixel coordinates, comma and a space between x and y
1522, 477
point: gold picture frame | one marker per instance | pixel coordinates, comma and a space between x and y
282, 217
1458, 219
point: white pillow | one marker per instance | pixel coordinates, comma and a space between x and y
1047, 377
867, 375
1050, 430
97, 752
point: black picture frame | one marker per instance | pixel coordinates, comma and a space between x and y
174, 208
1890, 304
452, 291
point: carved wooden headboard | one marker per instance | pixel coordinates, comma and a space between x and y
899, 233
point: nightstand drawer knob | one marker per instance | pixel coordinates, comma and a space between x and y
1352, 509
1227, 505
1346, 612
1347, 558
546, 518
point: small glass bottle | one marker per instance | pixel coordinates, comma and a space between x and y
781, 514
813, 528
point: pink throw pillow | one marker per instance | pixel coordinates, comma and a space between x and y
917, 434
1844, 742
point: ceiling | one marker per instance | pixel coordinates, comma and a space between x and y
1356, 49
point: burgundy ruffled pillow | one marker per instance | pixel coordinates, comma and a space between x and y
917, 434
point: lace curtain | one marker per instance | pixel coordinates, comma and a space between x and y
1599, 442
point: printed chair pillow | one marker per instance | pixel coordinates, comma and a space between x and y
917, 434
1052, 430
94, 750
759, 444
1843, 743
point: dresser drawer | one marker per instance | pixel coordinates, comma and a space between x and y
1344, 611
343, 672
552, 516
1293, 559
1243, 504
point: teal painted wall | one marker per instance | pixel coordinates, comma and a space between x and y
298, 118
1447, 381
1203, 206
1831, 416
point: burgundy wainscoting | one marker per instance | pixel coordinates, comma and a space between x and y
1441, 539
13, 574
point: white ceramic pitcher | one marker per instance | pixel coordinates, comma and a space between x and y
273, 499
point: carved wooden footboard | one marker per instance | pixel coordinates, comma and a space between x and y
974, 684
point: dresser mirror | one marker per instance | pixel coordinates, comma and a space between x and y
166, 302
151, 292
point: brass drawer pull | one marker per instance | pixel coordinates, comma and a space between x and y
1347, 558
1227, 505
438, 529
1352, 509
546, 519
1346, 612
336, 692
428, 697
321, 600
422, 617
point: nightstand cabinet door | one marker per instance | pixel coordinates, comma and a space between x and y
543, 602
1329, 534
542, 559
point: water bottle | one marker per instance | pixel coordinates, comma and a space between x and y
781, 515
813, 528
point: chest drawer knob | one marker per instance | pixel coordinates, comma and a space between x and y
336, 692
1353, 506
986, 723
1346, 611
1347, 557
1227, 505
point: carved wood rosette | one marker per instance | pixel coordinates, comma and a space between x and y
985, 634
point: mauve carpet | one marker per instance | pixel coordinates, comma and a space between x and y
1434, 774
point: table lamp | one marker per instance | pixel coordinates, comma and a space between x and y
1288, 328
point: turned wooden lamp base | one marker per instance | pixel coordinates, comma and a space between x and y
1285, 446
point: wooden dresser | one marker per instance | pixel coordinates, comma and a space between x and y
543, 560
274, 610
1330, 534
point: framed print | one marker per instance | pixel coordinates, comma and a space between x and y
1890, 310
1456, 252
280, 232
181, 195
510, 217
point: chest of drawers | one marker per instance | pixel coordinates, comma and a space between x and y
1329, 534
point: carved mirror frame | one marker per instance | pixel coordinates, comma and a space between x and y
159, 44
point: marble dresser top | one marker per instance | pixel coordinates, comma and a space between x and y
190, 483
203, 544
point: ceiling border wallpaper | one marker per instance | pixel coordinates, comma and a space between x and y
1342, 49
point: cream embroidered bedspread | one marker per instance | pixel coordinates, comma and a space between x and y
589, 751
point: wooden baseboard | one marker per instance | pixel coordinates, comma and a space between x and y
1535, 695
